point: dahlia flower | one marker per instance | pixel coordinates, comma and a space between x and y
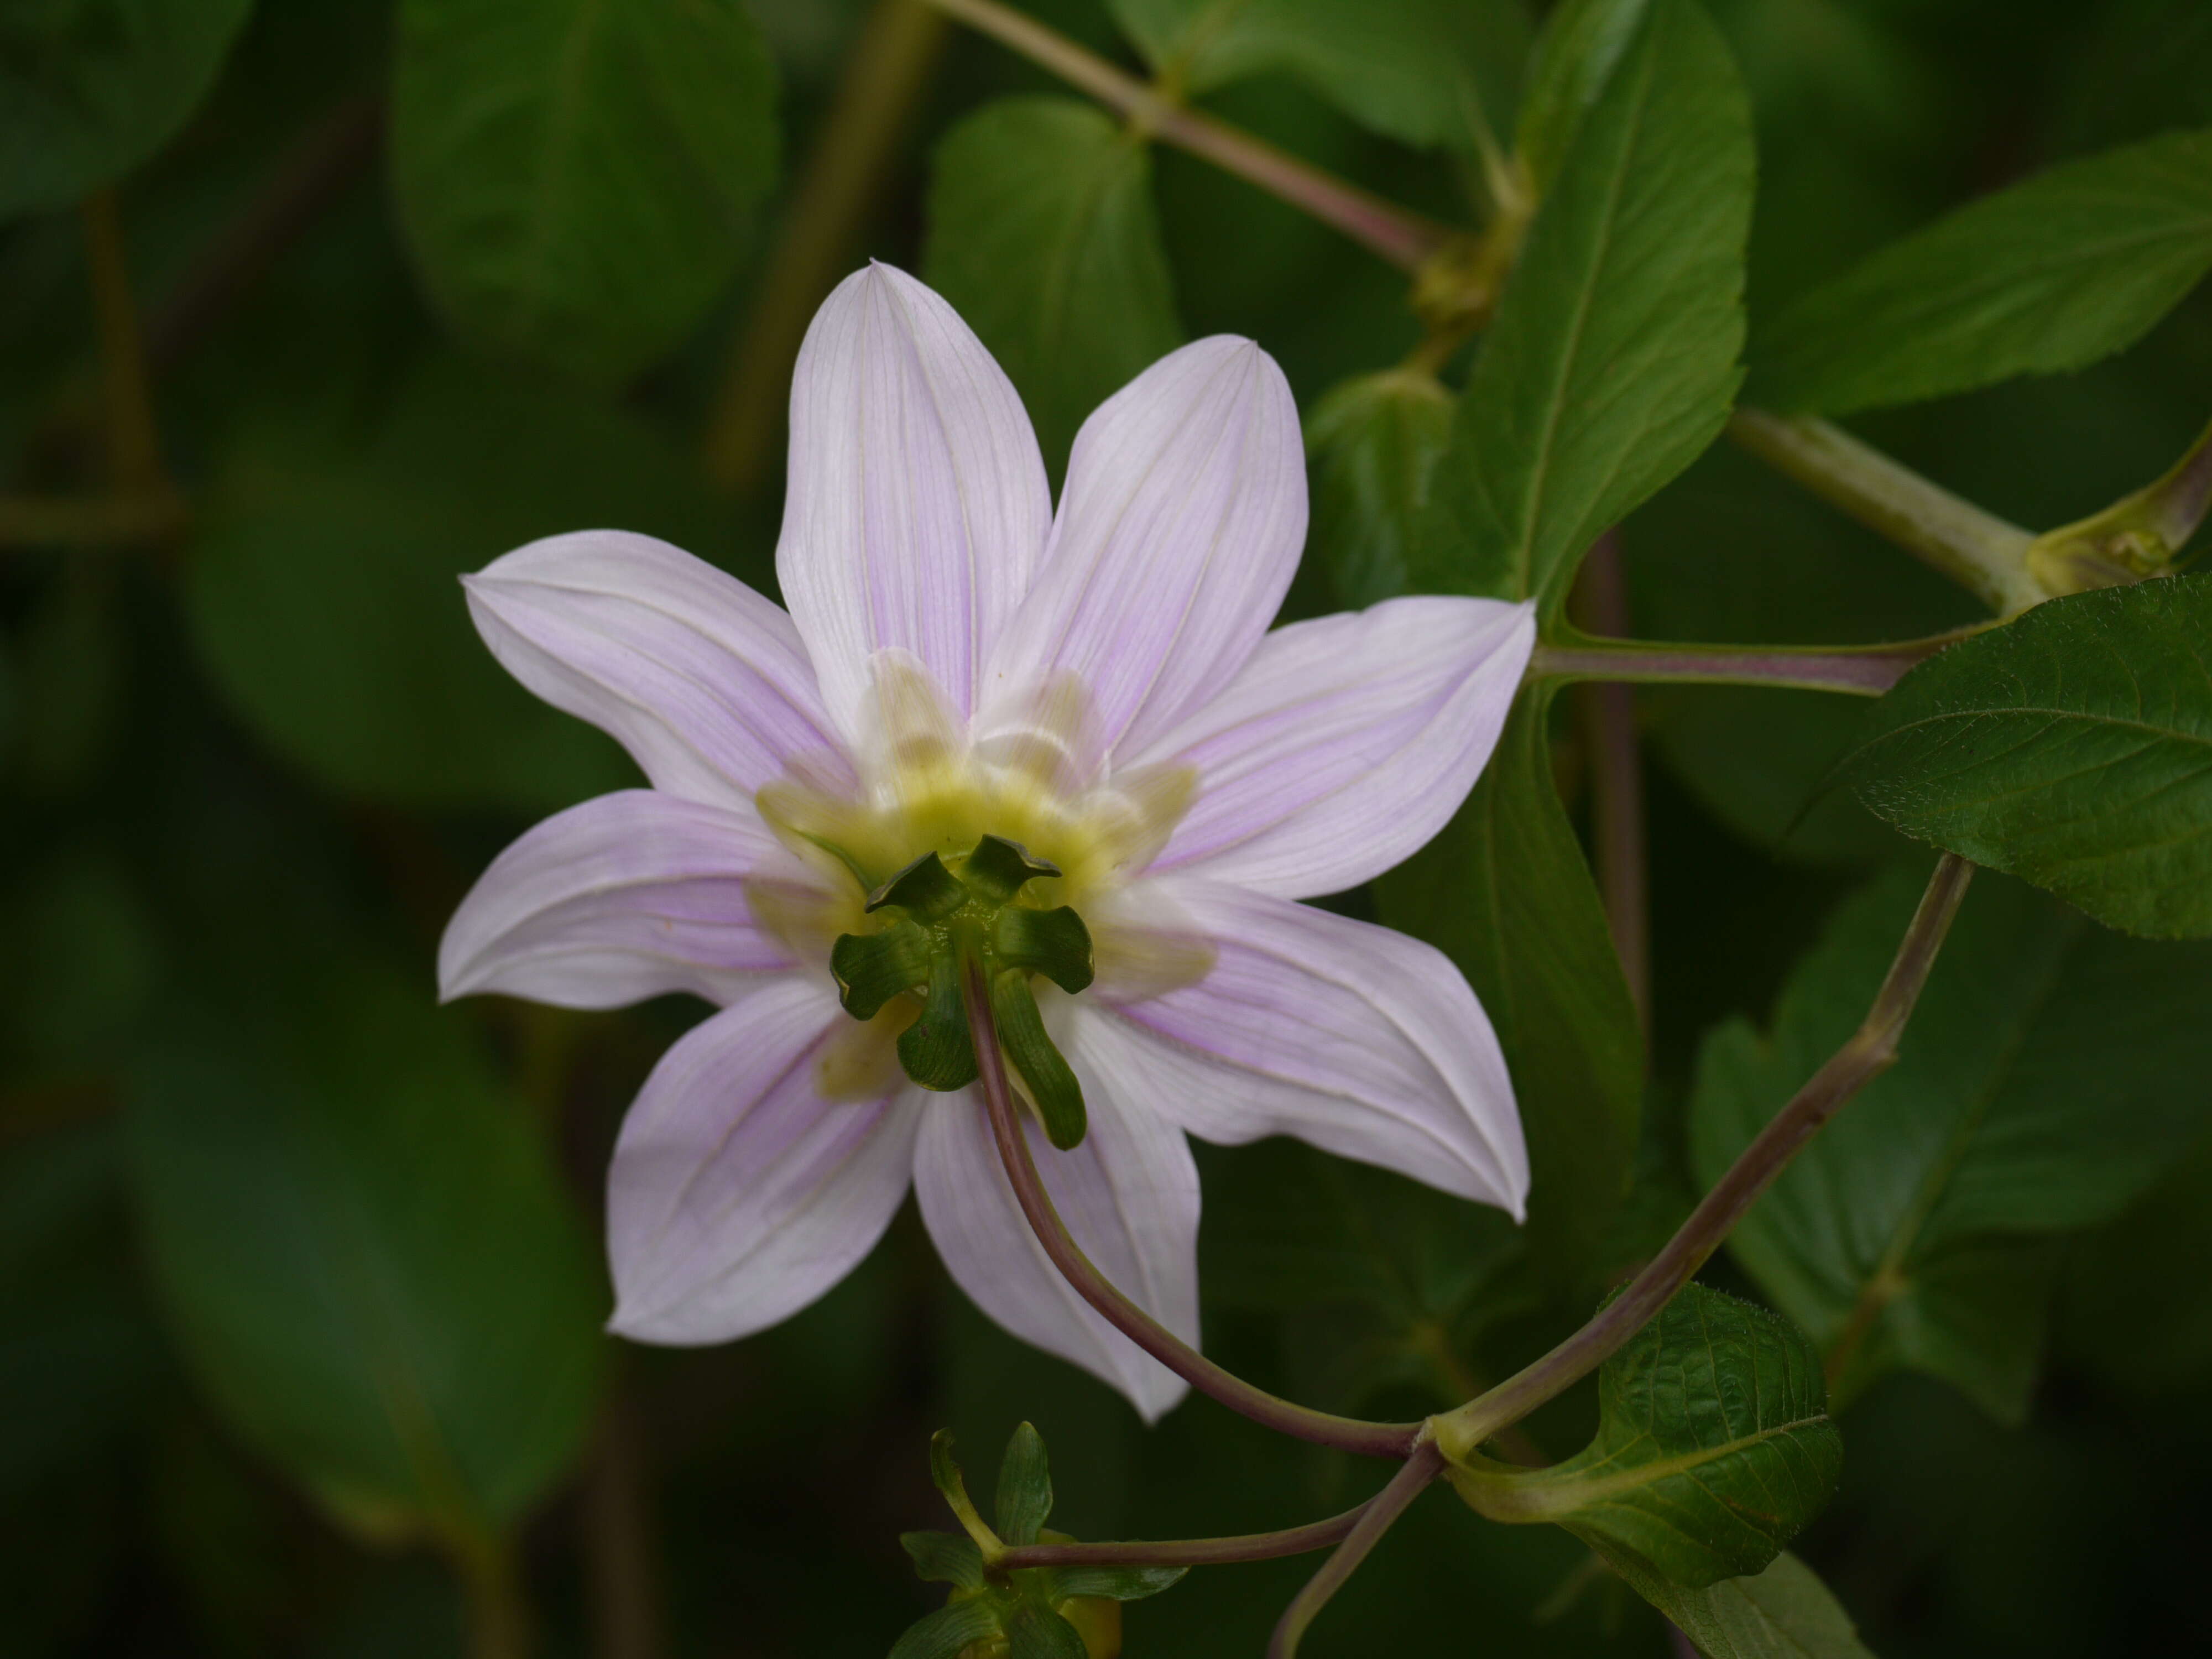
1089, 699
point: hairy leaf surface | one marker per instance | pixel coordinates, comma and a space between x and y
1713, 1446
1612, 363
2051, 275
2072, 747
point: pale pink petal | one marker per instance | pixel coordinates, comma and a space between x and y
737, 1195
1129, 1196
702, 679
1178, 534
916, 504
1359, 1040
1344, 743
627, 897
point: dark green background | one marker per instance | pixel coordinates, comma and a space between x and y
248, 1175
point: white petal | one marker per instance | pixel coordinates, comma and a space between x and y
916, 505
1129, 1196
1346, 743
702, 679
627, 897
1178, 534
1359, 1040
737, 1195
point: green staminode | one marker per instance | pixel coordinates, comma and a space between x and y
943, 921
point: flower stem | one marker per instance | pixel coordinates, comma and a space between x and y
1607, 711
134, 448
1981, 552
1864, 670
884, 78
1346, 1433
1188, 1552
1871, 1050
1403, 238
1381, 1513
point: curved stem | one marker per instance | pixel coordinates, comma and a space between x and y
1863, 671
1322, 1428
1188, 1552
1381, 1512
1871, 1050
1403, 238
1978, 550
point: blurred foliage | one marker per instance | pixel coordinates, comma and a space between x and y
299, 1308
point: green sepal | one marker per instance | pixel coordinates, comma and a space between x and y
1054, 943
870, 969
949, 1631
1025, 1496
1033, 1630
1052, 1085
942, 1557
997, 869
937, 1050
945, 1474
925, 890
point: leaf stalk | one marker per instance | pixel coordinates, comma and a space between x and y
1403, 238
1188, 1552
1870, 1051
1382, 1513
1322, 1428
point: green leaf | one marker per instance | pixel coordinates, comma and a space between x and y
2049, 275
362, 1246
1372, 444
1024, 1499
1036, 1632
1612, 363
577, 179
1114, 1583
1425, 71
1505, 891
1044, 236
2072, 747
1713, 1448
1784, 1612
90, 89
1576, 55
321, 588
945, 1558
945, 1632
2050, 1072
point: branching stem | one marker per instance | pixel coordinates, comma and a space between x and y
1381, 1512
1188, 1552
1871, 1050
1322, 1428
1403, 238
